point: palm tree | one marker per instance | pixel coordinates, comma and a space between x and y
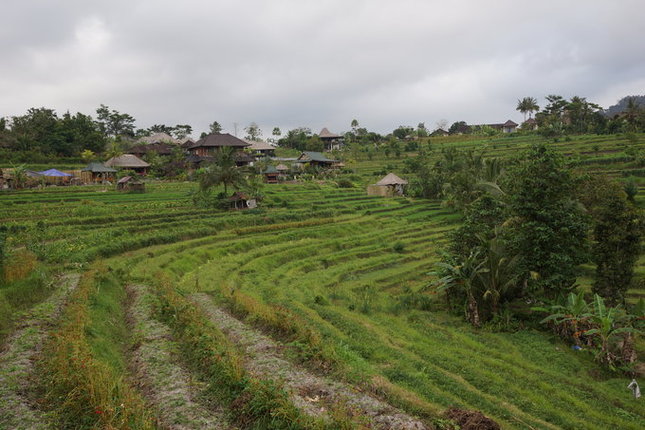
501, 271
222, 171
464, 276
527, 104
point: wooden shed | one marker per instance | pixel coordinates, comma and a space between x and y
390, 186
128, 183
238, 200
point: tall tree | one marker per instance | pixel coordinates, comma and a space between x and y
253, 132
182, 131
215, 127
548, 228
617, 231
113, 123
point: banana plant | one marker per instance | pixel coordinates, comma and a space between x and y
569, 318
609, 327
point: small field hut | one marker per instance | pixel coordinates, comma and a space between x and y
130, 184
238, 200
390, 186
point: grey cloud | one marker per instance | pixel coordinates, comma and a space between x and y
291, 63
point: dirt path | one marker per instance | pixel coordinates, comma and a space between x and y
309, 392
18, 355
164, 383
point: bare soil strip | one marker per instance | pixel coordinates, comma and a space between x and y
311, 393
160, 377
17, 359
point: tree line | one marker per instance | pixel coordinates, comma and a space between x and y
41, 131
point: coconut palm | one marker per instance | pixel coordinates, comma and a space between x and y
465, 277
501, 274
527, 104
222, 171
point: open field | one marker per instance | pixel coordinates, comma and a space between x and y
322, 284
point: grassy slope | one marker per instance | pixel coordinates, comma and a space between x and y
341, 274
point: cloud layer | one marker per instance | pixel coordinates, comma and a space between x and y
295, 63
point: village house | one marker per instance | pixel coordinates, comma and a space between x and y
128, 162
203, 151
261, 149
530, 124
209, 145
159, 148
440, 132
315, 159
330, 140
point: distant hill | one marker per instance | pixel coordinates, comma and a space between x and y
622, 105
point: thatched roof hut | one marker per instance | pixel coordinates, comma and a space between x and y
391, 185
330, 140
391, 179
128, 161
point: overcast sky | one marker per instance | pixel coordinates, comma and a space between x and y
316, 63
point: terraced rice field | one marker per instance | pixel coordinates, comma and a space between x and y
306, 313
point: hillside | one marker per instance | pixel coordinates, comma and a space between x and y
181, 315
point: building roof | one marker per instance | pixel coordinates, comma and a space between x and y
259, 146
126, 161
243, 157
530, 121
98, 168
281, 168
160, 148
326, 134
392, 179
187, 143
314, 156
197, 159
159, 138
238, 195
219, 139
510, 123
270, 169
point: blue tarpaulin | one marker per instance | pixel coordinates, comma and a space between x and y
54, 172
